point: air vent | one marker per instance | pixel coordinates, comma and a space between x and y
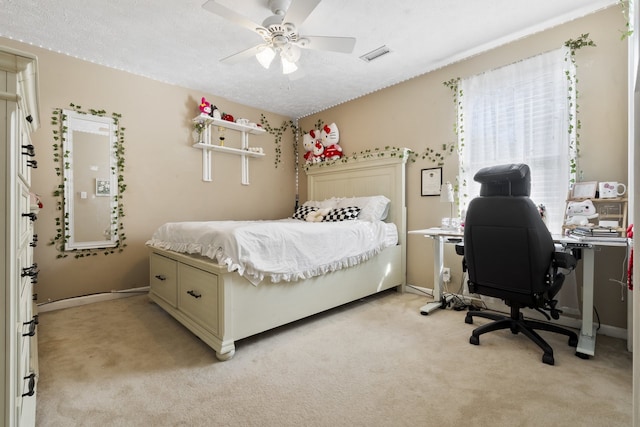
375, 54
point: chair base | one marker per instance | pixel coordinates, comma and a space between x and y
516, 323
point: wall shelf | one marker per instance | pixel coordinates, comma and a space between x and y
229, 125
228, 150
207, 147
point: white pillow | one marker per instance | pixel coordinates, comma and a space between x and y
323, 204
372, 208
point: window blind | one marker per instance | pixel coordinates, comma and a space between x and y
520, 114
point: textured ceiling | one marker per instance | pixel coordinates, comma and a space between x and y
178, 42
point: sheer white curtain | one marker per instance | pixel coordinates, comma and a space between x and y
520, 113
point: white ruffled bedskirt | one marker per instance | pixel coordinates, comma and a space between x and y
281, 250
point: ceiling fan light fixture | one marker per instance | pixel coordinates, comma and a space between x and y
265, 56
288, 67
291, 52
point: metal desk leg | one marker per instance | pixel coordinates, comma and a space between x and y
438, 265
587, 338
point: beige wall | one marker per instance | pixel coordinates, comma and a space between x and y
163, 172
420, 113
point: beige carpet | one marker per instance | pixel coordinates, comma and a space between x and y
376, 362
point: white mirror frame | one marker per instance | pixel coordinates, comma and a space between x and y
100, 126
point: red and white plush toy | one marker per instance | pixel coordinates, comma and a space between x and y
313, 147
318, 152
330, 137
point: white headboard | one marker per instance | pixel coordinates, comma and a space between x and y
380, 173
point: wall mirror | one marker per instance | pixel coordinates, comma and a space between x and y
90, 153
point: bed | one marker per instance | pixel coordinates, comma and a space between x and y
221, 306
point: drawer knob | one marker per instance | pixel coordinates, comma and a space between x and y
161, 277
32, 327
32, 216
194, 294
31, 272
32, 385
30, 150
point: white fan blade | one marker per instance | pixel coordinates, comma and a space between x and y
241, 56
335, 44
230, 15
299, 10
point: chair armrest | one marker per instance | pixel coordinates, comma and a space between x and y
564, 260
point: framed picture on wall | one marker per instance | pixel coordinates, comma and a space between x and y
103, 187
431, 182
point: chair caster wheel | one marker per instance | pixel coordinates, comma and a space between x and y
424, 313
548, 359
582, 355
468, 319
573, 341
474, 340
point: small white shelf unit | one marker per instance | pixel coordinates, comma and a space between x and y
207, 147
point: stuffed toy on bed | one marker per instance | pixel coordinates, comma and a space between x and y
330, 137
317, 215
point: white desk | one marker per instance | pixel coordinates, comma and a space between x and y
440, 238
587, 338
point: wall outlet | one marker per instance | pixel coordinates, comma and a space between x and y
446, 274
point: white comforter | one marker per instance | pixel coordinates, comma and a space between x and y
284, 249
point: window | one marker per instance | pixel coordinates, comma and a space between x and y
520, 114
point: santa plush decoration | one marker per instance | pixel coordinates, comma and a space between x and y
330, 137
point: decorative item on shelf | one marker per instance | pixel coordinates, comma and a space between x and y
584, 190
310, 143
330, 137
255, 150
198, 129
205, 107
580, 212
446, 196
228, 117
611, 189
321, 145
221, 132
215, 113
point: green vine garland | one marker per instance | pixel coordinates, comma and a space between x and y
367, 154
434, 155
626, 6
574, 120
60, 157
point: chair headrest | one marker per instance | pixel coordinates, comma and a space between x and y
504, 180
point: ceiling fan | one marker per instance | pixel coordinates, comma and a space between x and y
280, 33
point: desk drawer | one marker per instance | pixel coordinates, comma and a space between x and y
198, 296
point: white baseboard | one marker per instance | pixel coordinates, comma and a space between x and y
498, 305
90, 299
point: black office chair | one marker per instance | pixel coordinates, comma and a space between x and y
509, 254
